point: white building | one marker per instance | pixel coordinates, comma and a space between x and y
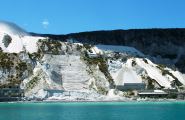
154, 93
93, 52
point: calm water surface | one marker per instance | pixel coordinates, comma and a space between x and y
93, 111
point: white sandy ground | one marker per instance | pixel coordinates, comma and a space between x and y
122, 49
20, 39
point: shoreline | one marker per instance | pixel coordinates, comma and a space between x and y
100, 101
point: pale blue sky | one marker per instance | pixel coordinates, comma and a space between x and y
69, 16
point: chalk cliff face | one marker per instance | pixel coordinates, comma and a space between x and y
79, 67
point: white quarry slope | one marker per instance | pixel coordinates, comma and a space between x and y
69, 77
179, 75
126, 73
154, 73
67, 73
123, 73
122, 49
73, 71
20, 38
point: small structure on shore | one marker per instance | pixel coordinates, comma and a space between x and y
53, 92
181, 96
92, 53
11, 93
131, 86
153, 94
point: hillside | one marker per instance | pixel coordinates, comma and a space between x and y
168, 44
90, 66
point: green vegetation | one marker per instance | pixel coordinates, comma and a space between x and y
91, 85
150, 85
161, 66
53, 46
176, 82
117, 55
11, 82
37, 55
21, 66
134, 63
79, 47
102, 90
5, 61
145, 60
101, 62
12, 61
172, 95
32, 83
87, 46
150, 82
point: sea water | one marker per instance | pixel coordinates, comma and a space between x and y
93, 111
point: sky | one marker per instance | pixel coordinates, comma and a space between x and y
70, 16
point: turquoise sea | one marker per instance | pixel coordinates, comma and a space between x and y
93, 111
